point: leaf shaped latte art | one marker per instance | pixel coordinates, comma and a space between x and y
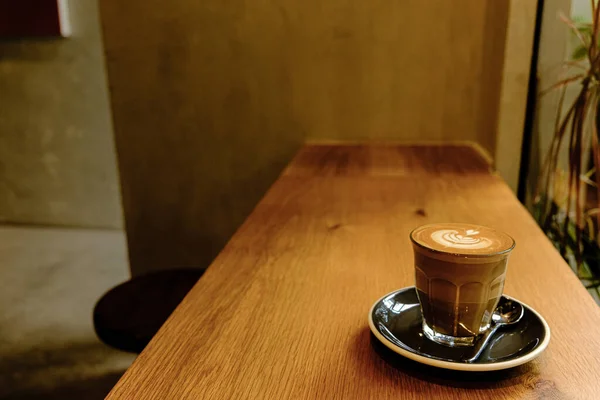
469, 239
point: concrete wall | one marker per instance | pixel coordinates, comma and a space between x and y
57, 160
202, 101
514, 89
399, 70
210, 99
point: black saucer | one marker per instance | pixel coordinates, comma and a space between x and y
396, 321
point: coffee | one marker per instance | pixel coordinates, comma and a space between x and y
460, 271
463, 239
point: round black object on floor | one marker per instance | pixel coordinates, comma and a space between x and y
130, 314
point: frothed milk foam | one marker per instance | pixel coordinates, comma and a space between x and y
460, 271
462, 239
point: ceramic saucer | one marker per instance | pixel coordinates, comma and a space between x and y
396, 321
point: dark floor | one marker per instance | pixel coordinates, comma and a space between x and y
51, 279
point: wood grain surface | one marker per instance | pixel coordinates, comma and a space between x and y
282, 311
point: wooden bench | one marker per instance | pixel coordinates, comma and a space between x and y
282, 312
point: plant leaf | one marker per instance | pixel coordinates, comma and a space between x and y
574, 28
562, 83
579, 53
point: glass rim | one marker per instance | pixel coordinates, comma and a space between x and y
454, 253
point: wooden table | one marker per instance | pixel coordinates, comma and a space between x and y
282, 311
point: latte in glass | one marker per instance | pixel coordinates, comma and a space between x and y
459, 271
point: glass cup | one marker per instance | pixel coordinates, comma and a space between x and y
460, 271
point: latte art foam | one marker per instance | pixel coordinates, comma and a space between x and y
452, 238
462, 239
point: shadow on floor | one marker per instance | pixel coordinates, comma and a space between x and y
62, 371
89, 389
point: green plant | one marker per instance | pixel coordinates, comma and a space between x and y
568, 202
